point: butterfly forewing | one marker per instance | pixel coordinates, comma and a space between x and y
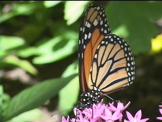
93, 29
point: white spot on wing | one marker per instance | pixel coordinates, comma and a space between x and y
88, 25
95, 22
85, 36
95, 56
89, 35
101, 22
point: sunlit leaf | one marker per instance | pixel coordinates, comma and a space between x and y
1, 94
24, 64
27, 52
49, 4
34, 96
11, 42
138, 28
122, 31
28, 116
71, 69
73, 10
69, 95
5, 99
55, 49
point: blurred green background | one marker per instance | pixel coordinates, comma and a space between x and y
39, 64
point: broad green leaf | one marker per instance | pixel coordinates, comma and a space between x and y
24, 64
57, 55
49, 4
34, 96
69, 95
27, 52
56, 49
71, 69
11, 42
1, 93
73, 10
134, 22
5, 99
28, 116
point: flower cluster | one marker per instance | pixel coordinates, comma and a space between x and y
108, 113
160, 110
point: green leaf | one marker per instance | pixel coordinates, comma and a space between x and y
5, 99
134, 22
73, 10
69, 95
24, 64
1, 93
34, 96
49, 4
11, 42
27, 52
1, 100
71, 69
55, 49
27, 116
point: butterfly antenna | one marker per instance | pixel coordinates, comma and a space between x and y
61, 111
109, 97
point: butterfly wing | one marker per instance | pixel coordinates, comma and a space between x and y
105, 60
93, 30
113, 66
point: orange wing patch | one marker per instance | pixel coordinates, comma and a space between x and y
90, 51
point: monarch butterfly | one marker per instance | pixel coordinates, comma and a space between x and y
106, 63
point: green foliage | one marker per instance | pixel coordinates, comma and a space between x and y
11, 42
73, 13
34, 96
49, 4
133, 22
28, 116
67, 96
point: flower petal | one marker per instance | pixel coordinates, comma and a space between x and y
144, 120
160, 110
129, 116
64, 119
138, 115
159, 118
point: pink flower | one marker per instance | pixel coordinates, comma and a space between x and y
136, 118
120, 106
64, 119
160, 110
99, 112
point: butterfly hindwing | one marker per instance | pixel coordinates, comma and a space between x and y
113, 65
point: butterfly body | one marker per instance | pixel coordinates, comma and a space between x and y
106, 63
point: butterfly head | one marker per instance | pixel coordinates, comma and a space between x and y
88, 98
